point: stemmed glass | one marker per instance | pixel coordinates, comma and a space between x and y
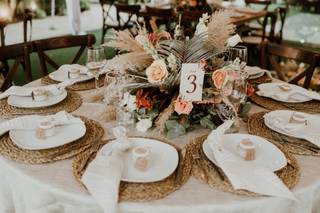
95, 62
234, 92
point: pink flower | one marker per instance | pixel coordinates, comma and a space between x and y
157, 71
219, 78
203, 63
182, 106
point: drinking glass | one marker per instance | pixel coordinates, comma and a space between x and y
116, 94
95, 62
234, 92
240, 52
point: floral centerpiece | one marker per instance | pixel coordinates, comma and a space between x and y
154, 60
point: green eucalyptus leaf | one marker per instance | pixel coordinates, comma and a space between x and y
176, 131
206, 122
171, 124
245, 108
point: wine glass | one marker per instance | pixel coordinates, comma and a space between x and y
95, 62
234, 92
240, 52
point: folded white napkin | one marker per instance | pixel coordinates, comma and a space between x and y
256, 72
31, 122
245, 175
103, 175
298, 130
296, 93
67, 67
55, 89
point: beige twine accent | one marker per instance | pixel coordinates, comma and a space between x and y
205, 171
297, 146
312, 107
72, 102
85, 85
8, 149
140, 191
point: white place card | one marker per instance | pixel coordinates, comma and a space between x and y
191, 82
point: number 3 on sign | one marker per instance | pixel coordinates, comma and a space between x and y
191, 82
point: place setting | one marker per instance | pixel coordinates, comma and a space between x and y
257, 75
85, 77
38, 139
17, 100
297, 131
280, 95
132, 168
244, 164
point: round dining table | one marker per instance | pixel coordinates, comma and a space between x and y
52, 188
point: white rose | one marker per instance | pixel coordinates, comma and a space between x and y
143, 125
157, 71
129, 101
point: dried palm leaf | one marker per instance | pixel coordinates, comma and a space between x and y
123, 41
132, 61
220, 29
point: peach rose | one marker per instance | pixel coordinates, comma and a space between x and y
157, 71
219, 78
182, 106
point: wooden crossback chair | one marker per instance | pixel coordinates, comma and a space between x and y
271, 53
271, 18
106, 6
266, 3
161, 15
41, 46
131, 10
20, 53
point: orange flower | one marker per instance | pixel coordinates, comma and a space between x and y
182, 106
219, 78
250, 90
143, 101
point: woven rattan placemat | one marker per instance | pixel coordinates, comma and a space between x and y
261, 80
85, 85
312, 107
141, 191
204, 170
256, 126
72, 102
94, 133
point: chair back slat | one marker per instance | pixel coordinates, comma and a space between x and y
271, 54
20, 53
41, 46
131, 10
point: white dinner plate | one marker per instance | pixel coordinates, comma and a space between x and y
163, 162
267, 154
274, 87
27, 102
64, 134
62, 75
312, 128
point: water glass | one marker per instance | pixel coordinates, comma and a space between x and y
240, 52
95, 62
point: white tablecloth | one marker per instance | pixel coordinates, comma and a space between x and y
51, 188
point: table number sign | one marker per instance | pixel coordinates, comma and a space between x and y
191, 82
